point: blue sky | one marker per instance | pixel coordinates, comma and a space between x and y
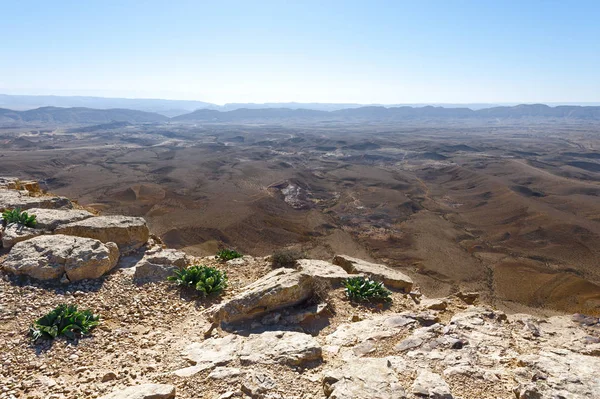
307, 51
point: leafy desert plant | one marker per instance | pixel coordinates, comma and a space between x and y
64, 320
228, 254
285, 258
16, 216
205, 279
364, 289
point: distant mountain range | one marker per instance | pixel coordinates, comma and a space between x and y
80, 115
374, 113
173, 108
165, 107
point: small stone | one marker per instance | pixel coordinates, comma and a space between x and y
110, 376
434, 304
431, 385
468, 297
258, 383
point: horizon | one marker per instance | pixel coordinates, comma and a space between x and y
339, 52
287, 104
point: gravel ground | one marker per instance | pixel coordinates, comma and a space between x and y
139, 339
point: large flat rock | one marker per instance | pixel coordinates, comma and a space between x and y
375, 329
365, 378
50, 219
143, 391
10, 199
129, 233
431, 385
52, 256
390, 277
270, 347
278, 289
321, 270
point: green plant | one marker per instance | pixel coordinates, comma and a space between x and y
16, 216
364, 289
228, 254
64, 320
207, 280
285, 258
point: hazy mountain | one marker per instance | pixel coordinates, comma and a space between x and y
292, 105
250, 114
173, 108
380, 113
371, 113
79, 115
164, 107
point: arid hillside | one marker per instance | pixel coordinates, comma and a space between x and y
92, 306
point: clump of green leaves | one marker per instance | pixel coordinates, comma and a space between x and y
64, 320
364, 289
207, 280
16, 216
285, 258
227, 254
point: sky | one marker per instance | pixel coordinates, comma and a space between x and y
369, 52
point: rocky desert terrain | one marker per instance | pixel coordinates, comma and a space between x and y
274, 333
508, 208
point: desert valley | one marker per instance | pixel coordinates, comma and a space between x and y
484, 225
505, 206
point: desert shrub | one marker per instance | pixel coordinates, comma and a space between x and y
364, 289
321, 289
207, 280
16, 216
228, 254
285, 258
64, 320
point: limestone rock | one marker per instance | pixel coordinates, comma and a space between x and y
158, 264
50, 256
431, 385
226, 373
14, 233
529, 391
375, 329
129, 233
286, 347
390, 277
434, 304
283, 347
365, 378
144, 391
30, 185
10, 199
258, 383
14, 183
278, 289
566, 371
322, 270
9, 183
50, 219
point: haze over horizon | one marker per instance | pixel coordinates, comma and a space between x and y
339, 52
